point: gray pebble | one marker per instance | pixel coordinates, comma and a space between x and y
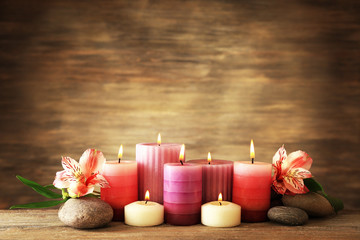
312, 203
86, 212
288, 216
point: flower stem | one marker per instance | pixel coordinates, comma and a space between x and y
65, 194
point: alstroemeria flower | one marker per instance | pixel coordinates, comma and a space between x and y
80, 177
289, 172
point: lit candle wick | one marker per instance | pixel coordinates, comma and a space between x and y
159, 140
181, 155
252, 151
120, 154
220, 203
147, 196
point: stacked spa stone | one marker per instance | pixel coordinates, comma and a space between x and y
297, 208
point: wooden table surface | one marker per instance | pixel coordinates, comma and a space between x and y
44, 224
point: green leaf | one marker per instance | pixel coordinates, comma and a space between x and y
314, 186
39, 204
336, 203
92, 195
38, 188
50, 186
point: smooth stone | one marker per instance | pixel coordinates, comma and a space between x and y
288, 215
312, 203
86, 212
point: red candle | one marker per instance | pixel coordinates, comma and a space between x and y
122, 178
151, 158
217, 177
182, 193
251, 188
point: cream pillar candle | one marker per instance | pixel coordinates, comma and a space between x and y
220, 214
144, 213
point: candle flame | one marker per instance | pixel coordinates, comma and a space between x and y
209, 157
147, 195
252, 150
120, 154
220, 197
159, 139
182, 152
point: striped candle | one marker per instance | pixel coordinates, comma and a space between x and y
217, 178
151, 158
182, 193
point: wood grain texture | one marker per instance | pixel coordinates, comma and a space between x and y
44, 224
211, 74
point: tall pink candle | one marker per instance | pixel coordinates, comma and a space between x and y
122, 178
182, 193
217, 177
151, 158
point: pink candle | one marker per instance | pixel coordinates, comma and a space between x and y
151, 158
182, 193
122, 178
217, 177
251, 189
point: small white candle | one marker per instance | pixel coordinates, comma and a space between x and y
220, 214
144, 213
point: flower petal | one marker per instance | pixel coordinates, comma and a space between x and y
279, 156
298, 159
299, 173
279, 187
295, 185
79, 189
63, 179
72, 167
92, 161
98, 180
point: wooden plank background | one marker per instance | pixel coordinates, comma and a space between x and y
211, 74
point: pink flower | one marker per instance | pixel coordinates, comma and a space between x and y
80, 178
289, 172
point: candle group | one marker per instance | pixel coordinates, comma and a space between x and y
189, 191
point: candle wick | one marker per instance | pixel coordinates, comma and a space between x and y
159, 145
220, 203
181, 162
119, 160
252, 160
146, 201
209, 163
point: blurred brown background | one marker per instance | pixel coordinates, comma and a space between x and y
211, 74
